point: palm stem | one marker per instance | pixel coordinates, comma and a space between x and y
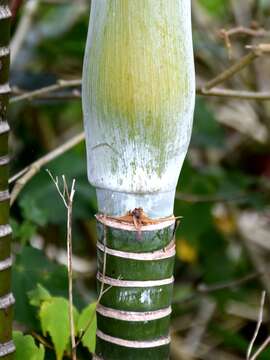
6, 297
133, 316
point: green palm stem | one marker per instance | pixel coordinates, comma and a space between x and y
6, 298
134, 314
138, 101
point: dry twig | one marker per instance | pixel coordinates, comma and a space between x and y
101, 292
67, 197
195, 335
208, 89
25, 175
61, 84
29, 12
240, 30
260, 320
261, 348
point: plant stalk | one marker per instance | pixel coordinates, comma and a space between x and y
138, 93
6, 298
133, 316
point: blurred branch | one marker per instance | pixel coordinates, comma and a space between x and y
231, 71
199, 325
26, 174
261, 348
210, 90
236, 94
240, 30
229, 284
23, 27
207, 289
61, 84
260, 320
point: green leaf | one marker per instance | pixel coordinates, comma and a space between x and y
38, 295
47, 205
32, 211
87, 324
23, 231
55, 321
26, 349
215, 7
33, 267
207, 132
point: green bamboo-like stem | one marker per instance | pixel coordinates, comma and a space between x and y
138, 94
133, 316
6, 298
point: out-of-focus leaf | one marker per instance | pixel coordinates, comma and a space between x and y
217, 265
38, 295
207, 132
55, 322
23, 231
26, 349
32, 211
216, 7
87, 324
42, 192
30, 268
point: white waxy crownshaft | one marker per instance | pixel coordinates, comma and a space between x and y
138, 102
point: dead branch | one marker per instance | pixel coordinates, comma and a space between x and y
67, 197
260, 320
240, 30
208, 89
235, 94
61, 84
25, 175
29, 12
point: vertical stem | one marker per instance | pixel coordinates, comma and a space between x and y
70, 279
6, 298
133, 316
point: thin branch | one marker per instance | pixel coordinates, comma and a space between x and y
199, 325
208, 89
228, 284
101, 292
207, 289
61, 84
25, 175
240, 30
29, 12
236, 94
42, 340
260, 320
67, 197
232, 70
261, 348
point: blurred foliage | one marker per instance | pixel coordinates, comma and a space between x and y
225, 176
26, 348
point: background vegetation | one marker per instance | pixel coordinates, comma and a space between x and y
223, 245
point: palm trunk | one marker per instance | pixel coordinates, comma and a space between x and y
6, 297
134, 314
138, 100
